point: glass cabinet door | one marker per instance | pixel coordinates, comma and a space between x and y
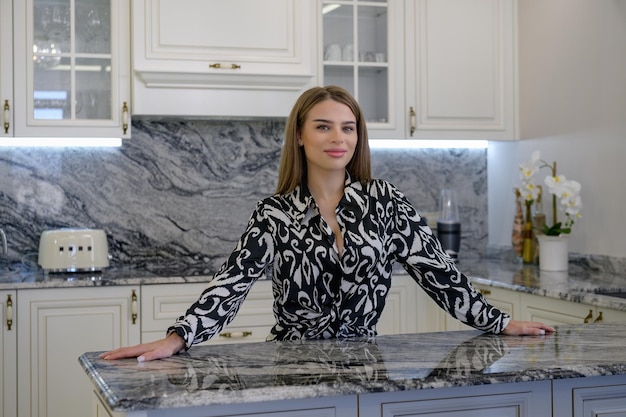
356, 41
74, 77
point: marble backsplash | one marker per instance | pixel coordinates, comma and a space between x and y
178, 194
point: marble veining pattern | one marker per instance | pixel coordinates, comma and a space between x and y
179, 192
227, 374
580, 284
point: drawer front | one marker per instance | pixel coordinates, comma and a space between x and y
163, 304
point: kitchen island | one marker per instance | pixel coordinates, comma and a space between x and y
577, 369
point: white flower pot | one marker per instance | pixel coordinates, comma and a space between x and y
553, 253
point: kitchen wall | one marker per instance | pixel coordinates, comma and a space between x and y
178, 194
572, 108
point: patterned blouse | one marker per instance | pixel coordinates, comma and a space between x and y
319, 294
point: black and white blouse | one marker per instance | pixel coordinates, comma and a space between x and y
319, 294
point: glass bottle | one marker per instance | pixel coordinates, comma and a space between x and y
528, 255
539, 221
517, 235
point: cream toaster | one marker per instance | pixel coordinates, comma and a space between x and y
73, 250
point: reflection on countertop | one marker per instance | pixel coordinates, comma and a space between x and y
220, 374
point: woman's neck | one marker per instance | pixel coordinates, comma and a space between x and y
326, 187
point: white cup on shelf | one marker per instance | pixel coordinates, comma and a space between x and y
348, 52
333, 52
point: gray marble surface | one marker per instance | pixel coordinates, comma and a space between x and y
229, 374
580, 284
179, 193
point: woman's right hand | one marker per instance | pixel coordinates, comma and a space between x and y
159, 349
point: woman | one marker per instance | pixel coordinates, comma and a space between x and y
330, 236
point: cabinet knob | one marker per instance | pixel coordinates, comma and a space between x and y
589, 317
9, 312
220, 66
485, 292
6, 116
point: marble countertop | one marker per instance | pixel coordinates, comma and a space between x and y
222, 374
580, 284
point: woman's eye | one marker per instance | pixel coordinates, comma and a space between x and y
322, 127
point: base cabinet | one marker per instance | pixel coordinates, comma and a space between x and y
590, 397
163, 304
8, 355
554, 312
58, 326
528, 399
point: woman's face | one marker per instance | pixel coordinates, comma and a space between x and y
329, 137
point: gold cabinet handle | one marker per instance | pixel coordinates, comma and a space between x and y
133, 306
589, 317
599, 319
6, 116
485, 292
235, 335
220, 66
9, 312
124, 118
412, 117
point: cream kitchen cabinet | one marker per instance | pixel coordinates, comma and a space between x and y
65, 68
425, 69
362, 50
553, 312
408, 310
58, 326
8, 355
222, 58
163, 304
461, 69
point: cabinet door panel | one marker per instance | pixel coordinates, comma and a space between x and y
462, 58
62, 325
8, 354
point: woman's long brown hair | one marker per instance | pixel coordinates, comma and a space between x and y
293, 167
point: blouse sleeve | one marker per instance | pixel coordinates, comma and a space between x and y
219, 303
422, 256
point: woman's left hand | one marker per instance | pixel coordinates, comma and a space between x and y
528, 328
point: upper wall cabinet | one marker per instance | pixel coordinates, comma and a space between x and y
222, 58
461, 69
426, 69
65, 68
363, 52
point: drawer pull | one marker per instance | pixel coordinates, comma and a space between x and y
235, 335
220, 66
124, 118
412, 118
485, 292
133, 306
6, 116
9, 312
589, 317
599, 319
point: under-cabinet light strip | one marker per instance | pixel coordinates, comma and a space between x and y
426, 144
20, 142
